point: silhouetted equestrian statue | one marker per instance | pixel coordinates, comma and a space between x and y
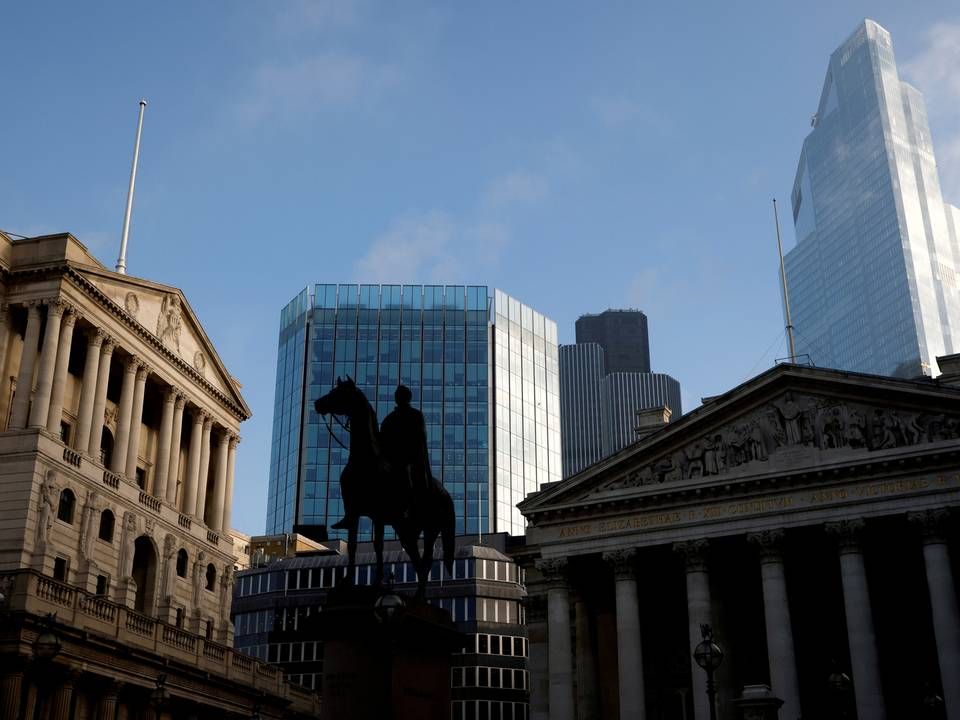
387, 478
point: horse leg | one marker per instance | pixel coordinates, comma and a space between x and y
378, 549
352, 548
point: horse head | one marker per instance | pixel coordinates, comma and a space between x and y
341, 400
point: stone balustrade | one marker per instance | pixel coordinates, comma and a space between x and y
31, 592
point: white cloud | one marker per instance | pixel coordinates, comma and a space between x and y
516, 188
621, 110
935, 73
432, 247
303, 15
333, 79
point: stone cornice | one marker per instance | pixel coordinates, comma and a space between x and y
79, 281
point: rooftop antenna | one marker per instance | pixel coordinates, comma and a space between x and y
122, 260
783, 282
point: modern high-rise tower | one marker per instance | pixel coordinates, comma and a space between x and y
483, 370
872, 279
605, 380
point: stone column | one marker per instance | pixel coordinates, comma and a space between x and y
220, 483
88, 390
228, 491
560, 659
537, 662
588, 699
108, 702
943, 603
55, 411
124, 413
173, 468
163, 444
629, 647
62, 697
4, 336
865, 663
189, 504
694, 553
48, 361
204, 473
100, 398
21, 399
11, 690
136, 422
776, 612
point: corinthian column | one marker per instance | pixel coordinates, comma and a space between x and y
629, 648
48, 360
694, 553
228, 492
21, 400
136, 422
204, 473
189, 505
4, 336
163, 444
867, 688
220, 483
100, 398
88, 387
943, 603
173, 470
125, 411
55, 411
560, 660
776, 613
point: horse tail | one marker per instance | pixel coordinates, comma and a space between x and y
448, 534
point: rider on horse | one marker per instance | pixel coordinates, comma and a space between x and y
403, 435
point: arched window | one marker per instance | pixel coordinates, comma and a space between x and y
211, 577
182, 563
106, 526
68, 501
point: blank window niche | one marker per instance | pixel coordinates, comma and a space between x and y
60, 569
107, 522
102, 584
182, 563
68, 501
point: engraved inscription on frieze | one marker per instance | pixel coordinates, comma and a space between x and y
788, 430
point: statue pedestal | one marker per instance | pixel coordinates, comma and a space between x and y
378, 667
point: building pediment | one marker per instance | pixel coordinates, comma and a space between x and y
784, 421
164, 313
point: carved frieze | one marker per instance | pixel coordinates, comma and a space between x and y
793, 424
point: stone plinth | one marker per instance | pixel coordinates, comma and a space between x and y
374, 667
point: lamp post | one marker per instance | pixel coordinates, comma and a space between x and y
160, 696
838, 685
47, 645
708, 655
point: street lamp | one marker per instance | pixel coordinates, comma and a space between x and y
708, 655
932, 704
160, 696
838, 683
387, 606
47, 645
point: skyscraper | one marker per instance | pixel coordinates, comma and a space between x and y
483, 370
605, 379
623, 336
872, 279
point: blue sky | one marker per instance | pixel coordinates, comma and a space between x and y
580, 156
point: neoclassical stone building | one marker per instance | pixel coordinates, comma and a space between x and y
808, 515
118, 433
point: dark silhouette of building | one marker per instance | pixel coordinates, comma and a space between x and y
623, 336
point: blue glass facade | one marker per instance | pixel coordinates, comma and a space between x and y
872, 279
434, 339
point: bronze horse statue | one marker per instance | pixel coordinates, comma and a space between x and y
370, 486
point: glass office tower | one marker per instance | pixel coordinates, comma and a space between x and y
872, 279
482, 370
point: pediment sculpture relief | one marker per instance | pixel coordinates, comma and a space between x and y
792, 423
169, 322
